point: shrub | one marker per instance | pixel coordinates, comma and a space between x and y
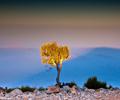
26, 89
70, 84
42, 89
9, 90
93, 83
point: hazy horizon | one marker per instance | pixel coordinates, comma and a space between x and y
21, 67
90, 28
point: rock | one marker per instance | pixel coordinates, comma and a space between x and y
66, 89
36, 92
91, 90
104, 91
73, 90
88, 94
16, 92
53, 89
7, 95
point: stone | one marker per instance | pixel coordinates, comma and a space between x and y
53, 89
66, 88
15, 92
91, 90
73, 90
88, 94
36, 92
104, 91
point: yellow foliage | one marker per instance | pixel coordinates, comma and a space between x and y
53, 54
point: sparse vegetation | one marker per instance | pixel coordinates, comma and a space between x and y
70, 84
42, 89
23, 89
27, 88
93, 83
9, 90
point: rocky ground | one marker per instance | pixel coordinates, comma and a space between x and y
65, 93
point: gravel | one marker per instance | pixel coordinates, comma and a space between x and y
87, 94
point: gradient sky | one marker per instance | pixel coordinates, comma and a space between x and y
83, 23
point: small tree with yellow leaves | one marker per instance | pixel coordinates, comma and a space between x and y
53, 54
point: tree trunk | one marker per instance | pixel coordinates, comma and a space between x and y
58, 74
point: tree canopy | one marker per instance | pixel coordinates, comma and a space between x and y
53, 54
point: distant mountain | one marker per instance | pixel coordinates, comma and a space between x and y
101, 62
22, 67
18, 63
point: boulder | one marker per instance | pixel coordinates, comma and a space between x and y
104, 91
15, 92
66, 88
37, 92
91, 90
73, 90
53, 89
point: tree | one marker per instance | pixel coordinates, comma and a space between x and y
53, 54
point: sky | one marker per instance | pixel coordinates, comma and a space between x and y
82, 25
